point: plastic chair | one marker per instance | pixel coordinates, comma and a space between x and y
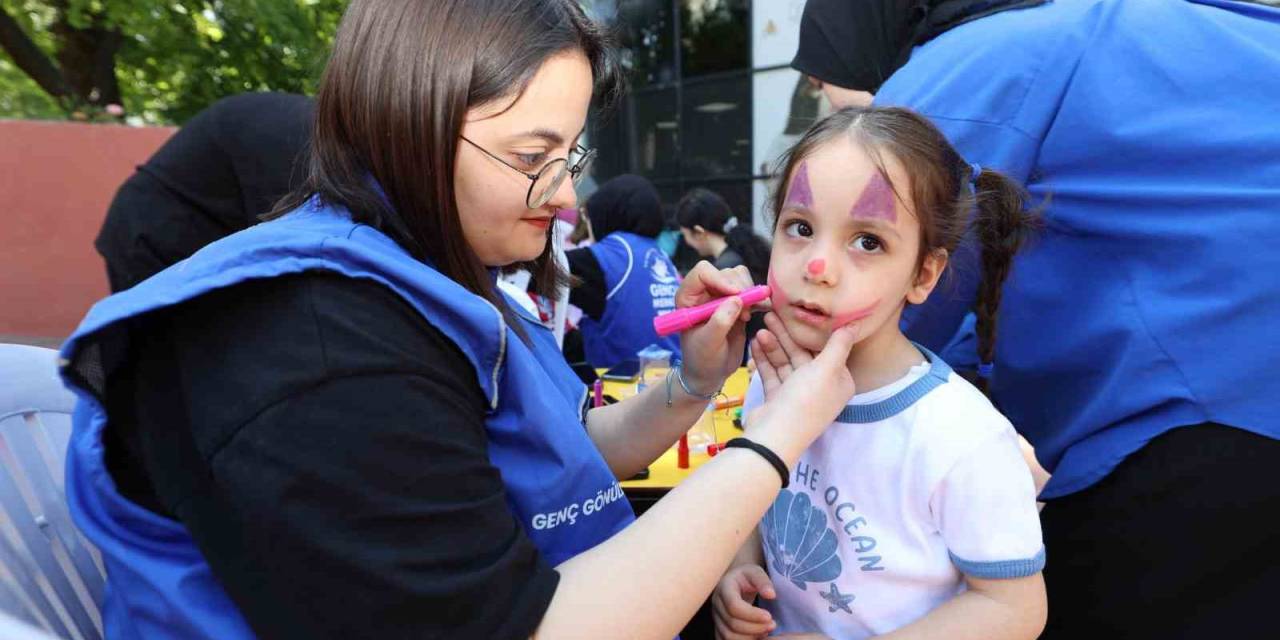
12, 628
50, 576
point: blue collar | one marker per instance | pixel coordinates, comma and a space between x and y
939, 373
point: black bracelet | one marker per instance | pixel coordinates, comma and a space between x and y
766, 453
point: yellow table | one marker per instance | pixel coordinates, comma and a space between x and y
663, 472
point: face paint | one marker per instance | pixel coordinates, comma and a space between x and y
875, 202
779, 298
816, 266
800, 193
853, 316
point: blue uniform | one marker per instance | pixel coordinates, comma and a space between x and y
641, 285
1150, 299
557, 484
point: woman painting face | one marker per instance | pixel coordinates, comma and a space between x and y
542, 124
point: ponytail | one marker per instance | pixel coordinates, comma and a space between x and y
755, 251
1002, 225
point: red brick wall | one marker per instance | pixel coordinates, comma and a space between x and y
56, 181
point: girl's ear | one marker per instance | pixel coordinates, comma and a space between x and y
697, 228
927, 276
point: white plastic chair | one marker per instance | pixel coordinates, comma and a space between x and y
50, 576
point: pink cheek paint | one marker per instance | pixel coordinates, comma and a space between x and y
843, 319
799, 193
817, 266
779, 298
876, 201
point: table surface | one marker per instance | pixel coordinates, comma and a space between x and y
663, 472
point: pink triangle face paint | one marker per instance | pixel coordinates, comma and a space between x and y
799, 193
876, 201
816, 266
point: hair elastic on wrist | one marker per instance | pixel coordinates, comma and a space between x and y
766, 453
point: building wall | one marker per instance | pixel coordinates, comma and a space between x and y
56, 181
712, 99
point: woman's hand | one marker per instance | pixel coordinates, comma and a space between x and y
735, 616
714, 349
803, 392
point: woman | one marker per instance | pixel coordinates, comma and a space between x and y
331, 425
625, 279
1130, 328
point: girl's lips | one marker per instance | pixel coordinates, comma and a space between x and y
813, 316
809, 316
541, 223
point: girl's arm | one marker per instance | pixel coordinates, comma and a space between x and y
1013, 609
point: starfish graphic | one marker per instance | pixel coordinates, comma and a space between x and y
836, 599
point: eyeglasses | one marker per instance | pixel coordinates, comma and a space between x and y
544, 184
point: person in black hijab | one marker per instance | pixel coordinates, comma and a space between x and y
625, 278
852, 46
1136, 376
215, 176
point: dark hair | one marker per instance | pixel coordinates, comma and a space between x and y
392, 104
707, 209
943, 193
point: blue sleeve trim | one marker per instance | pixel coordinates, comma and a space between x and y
1000, 569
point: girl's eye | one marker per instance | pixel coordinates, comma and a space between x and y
797, 229
532, 160
868, 244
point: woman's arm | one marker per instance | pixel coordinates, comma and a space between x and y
650, 578
633, 433
990, 610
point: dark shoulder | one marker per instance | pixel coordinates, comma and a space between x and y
246, 347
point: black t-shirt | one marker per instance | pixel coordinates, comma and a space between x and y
325, 447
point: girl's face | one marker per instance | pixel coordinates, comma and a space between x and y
845, 247
542, 125
696, 240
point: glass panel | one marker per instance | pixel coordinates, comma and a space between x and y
654, 148
717, 128
647, 35
786, 105
715, 35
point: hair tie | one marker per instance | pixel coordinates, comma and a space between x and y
985, 369
975, 170
730, 224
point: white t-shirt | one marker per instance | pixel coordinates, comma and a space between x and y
915, 484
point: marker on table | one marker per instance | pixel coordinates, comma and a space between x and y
685, 319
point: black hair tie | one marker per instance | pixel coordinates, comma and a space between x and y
766, 453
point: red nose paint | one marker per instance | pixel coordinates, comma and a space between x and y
816, 266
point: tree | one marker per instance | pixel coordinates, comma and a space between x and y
160, 60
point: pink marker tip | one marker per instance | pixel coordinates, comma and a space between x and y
685, 319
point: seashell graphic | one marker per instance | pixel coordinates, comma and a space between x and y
797, 542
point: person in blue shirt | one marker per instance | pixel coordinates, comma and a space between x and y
625, 279
333, 425
1138, 330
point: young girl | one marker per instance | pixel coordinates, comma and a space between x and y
914, 514
708, 225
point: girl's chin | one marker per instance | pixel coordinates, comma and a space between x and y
806, 336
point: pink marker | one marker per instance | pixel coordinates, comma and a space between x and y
684, 319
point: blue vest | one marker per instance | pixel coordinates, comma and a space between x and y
557, 484
1149, 299
641, 283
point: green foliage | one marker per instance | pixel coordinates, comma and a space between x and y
179, 56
